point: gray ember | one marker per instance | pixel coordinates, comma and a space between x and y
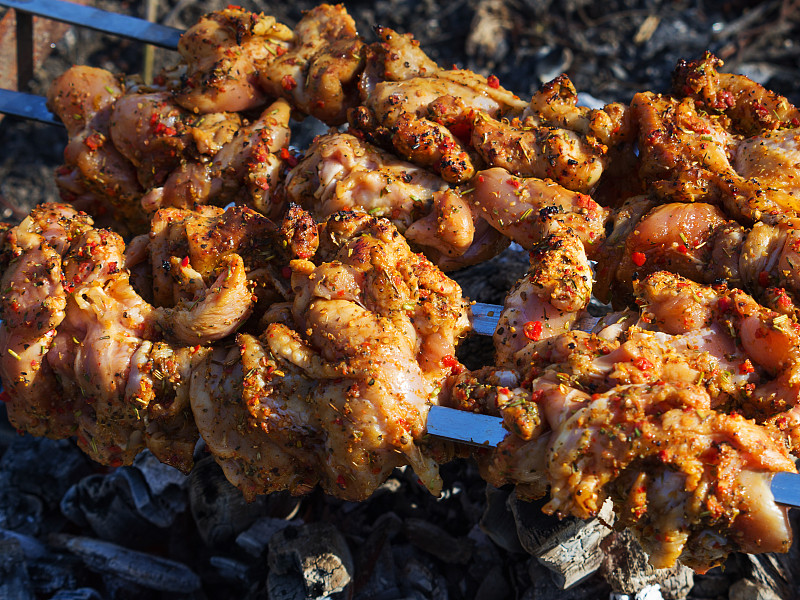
70, 530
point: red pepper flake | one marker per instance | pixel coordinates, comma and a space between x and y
481, 179
165, 129
5, 397
493, 81
340, 481
451, 362
763, 279
746, 367
112, 268
116, 462
586, 202
533, 330
286, 272
638, 258
514, 183
503, 390
642, 364
185, 262
94, 141
288, 83
289, 157
683, 249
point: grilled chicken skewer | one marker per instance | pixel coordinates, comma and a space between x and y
250, 399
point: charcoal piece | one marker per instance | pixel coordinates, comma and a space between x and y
312, 559
494, 586
778, 572
749, 589
54, 572
14, 580
545, 587
31, 547
105, 504
436, 541
230, 569
167, 489
43, 467
20, 511
147, 570
569, 547
376, 572
498, 521
254, 539
627, 570
219, 509
377, 577
160, 505
83, 593
418, 576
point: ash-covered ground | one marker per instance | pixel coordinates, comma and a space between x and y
402, 543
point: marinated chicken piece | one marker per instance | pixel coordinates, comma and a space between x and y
95, 175
425, 113
657, 446
33, 306
212, 268
539, 151
686, 156
318, 71
752, 108
556, 139
158, 389
675, 237
546, 301
245, 169
224, 54
340, 171
555, 104
152, 132
529, 209
336, 392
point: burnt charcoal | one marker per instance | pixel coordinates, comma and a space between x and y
377, 576
48, 572
83, 593
149, 571
30, 547
230, 569
167, 489
14, 580
20, 512
487, 43
436, 541
43, 467
545, 587
714, 584
418, 576
498, 521
627, 570
105, 504
569, 547
748, 589
254, 539
312, 559
776, 572
494, 586
219, 509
